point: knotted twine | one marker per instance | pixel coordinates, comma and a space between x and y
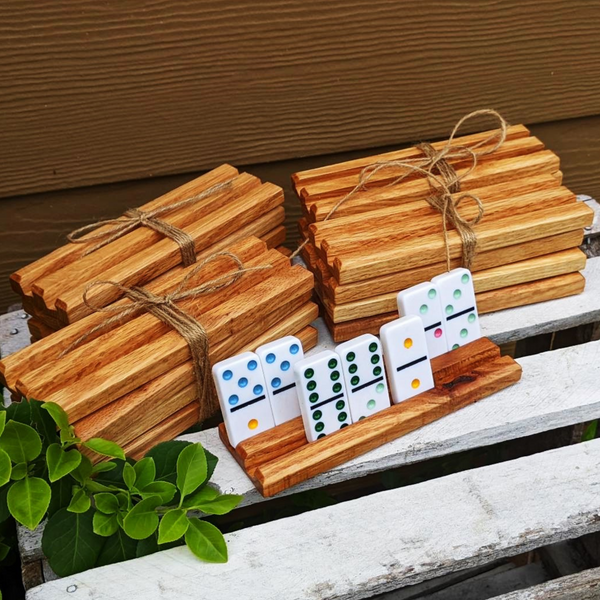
135, 217
165, 309
443, 181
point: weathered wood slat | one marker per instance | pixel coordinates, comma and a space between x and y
350, 551
581, 586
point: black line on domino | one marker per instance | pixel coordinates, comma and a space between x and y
283, 389
326, 401
364, 385
460, 314
410, 364
253, 401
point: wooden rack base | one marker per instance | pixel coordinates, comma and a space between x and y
282, 457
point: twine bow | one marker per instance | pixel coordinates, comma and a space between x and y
166, 310
135, 217
443, 181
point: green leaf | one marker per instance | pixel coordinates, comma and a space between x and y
43, 422
123, 500
191, 469
4, 512
28, 501
95, 488
61, 495
105, 448
2, 421
129, 476
5, 467
19, 411
145, 471
68, 437
220, 505
19, 471
206, 541
211, 463
82, 473
104, 467
150, 546
80, 503
142, 520
204, 494
164, 489
589, 433
4, 550
69, 542
118, 547
105, 525
61, 462
172, 526
59, 416
165, 457
21, 442
106, 503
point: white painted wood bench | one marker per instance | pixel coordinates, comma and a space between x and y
558, 389
376, 543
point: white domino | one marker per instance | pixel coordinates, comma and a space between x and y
322, 394
406, 357
423, 300
459, 306
241, 388
277, 360
364, 376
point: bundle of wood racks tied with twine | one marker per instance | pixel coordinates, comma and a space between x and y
492, 202
131, 360
189, 223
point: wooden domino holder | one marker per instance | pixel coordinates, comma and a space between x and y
282, 457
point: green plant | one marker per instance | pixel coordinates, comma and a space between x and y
109, 511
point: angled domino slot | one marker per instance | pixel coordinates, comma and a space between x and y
459, 306
322, 394
424, 301
364, 376
241, 388
406, 357
277, 360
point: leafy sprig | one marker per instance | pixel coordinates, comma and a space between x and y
104, 512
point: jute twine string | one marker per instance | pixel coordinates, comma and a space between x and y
166, 310
135, 217
443, 181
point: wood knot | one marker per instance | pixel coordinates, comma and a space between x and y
460, 379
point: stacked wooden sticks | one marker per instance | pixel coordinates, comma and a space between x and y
52, 288
133, 381
386, 237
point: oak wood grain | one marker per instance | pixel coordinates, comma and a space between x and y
343, 445
492, 301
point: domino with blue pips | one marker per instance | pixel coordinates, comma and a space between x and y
364, 376
406, 357
460, 308
277, 360
241, 388
424, 301
322, 394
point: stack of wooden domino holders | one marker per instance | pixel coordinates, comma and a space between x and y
280, 458
51, 289
134, 382
387, 238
